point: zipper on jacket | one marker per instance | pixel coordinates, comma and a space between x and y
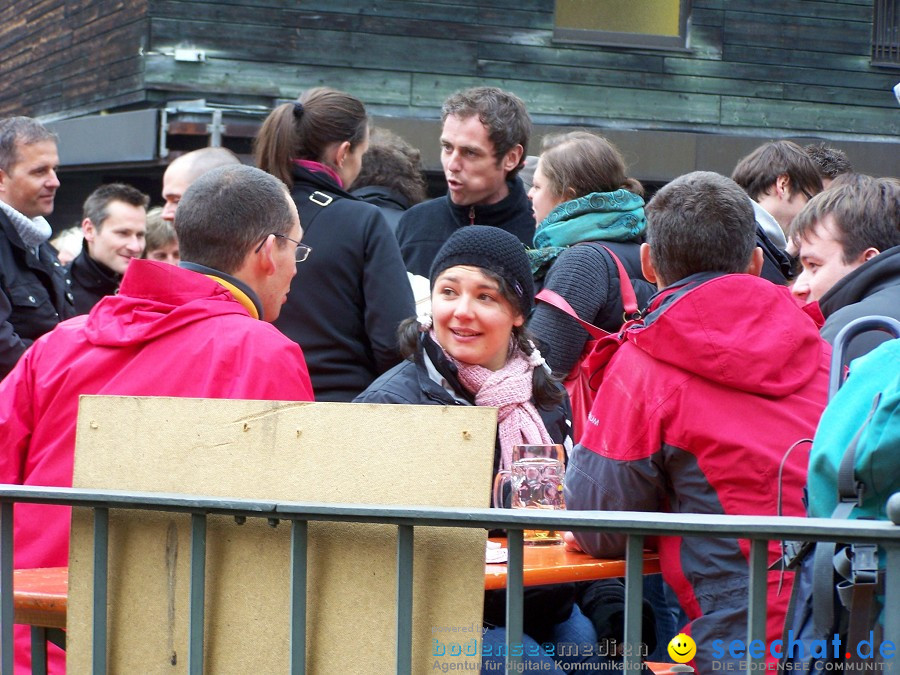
472, 215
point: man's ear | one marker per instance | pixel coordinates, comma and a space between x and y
512, 159
263, 262
756, 262
870, 253
88, 230
647, 267
783, 185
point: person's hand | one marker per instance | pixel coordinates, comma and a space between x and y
571, 544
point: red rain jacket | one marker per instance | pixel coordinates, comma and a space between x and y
695, 413
169, 332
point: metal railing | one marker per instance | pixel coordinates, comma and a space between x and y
758, 530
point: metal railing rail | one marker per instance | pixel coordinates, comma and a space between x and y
636, 525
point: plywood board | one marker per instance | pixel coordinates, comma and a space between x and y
324, 452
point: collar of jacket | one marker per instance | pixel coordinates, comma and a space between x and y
32, 232
510, 208
94, 274
872, 276
241, 291
436, 372
382, 196
318, 181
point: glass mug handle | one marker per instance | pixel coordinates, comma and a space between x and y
502, 476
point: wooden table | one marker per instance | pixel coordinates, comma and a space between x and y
554, 564
41, 595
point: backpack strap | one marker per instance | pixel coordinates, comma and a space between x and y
629, 299
556, 300
626, 289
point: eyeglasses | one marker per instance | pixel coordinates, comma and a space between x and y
301, 254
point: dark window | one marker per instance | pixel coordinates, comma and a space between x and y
886, 33
659, 24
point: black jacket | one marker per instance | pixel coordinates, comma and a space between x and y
34, 294
350, 294
778, 266
411, 383
872, 289
391, 204
91, 281
426, 226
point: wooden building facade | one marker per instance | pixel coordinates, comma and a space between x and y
698, 92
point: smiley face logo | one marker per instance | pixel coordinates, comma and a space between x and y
682, 648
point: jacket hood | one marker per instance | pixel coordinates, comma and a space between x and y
872, 276
154, 299
737, 330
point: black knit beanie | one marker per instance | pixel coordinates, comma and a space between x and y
492, 249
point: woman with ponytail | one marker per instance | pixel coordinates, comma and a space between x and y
581, 195
350, 295
474, 350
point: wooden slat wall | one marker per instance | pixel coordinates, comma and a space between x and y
754, 67
59, 57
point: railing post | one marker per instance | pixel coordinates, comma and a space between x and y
299, 538
101, 583
198, 593
756, 616
7, 609
514, 599
404, 598
892, 594
634, 597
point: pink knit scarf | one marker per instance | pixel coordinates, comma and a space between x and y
510, 390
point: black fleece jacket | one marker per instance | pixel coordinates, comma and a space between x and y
426, 226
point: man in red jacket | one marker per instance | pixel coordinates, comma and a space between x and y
699, 405
197, 330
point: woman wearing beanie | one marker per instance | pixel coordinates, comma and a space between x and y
581, 194
349, 296
474, 350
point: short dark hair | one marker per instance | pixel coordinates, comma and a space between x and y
393, 163
700, 222
96, 206
830, 162
502, 113
865, 212
584, 163
758, 171
227, 212
305, 129
23, 130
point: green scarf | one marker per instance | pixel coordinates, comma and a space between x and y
599, 216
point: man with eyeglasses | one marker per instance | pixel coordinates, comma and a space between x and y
199, 329
780, 179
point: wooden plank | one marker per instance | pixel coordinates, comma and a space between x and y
814, 34
37, 23
90, 50
567, 100
316, 47
274, 80
843, 10
631, 80
578, 56
802, 116
796, 58
775, 72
